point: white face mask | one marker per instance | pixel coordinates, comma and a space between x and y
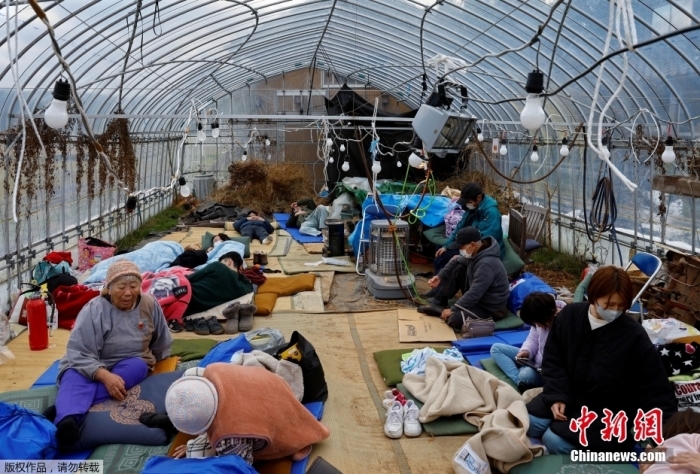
217, 243
471, 207
465, 254
608, 315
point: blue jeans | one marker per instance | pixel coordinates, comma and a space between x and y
504, 355
555, 444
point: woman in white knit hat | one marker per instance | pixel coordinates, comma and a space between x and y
117, 339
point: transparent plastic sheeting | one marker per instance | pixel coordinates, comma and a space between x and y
208, 50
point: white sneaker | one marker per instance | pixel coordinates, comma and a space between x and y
391, 394
411, 425
393, 427
268, 240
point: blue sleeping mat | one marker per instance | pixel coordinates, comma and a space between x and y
294, 232
476, 358
48, 378
483, 344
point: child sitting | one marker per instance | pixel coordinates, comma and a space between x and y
538, 310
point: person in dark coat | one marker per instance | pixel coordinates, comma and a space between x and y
599, 358
478, 273
256, 227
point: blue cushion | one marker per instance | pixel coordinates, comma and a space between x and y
531, 245
48, 378
112, 422
477, 344
514, 338
476, 358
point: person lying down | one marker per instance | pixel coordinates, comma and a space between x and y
242, 410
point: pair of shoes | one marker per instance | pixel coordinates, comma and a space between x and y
174, 325
239, 317
259, 258
268, 240
402, 419
430, 310
189, 324
204, 327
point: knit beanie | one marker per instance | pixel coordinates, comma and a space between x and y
121, 268
191, 404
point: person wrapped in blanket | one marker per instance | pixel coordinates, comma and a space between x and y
538, 310
237, 409
117, 339
256, 227
215, 284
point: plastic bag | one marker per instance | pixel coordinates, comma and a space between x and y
665, 331
26, 434
519, 290
5, 337
265, 338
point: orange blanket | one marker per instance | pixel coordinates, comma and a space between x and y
255, 403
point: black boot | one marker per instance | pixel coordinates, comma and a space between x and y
50, 413
67, 432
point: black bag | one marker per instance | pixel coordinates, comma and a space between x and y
321, 466
315, 387
63, 279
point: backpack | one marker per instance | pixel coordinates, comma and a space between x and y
45, 270
452, 219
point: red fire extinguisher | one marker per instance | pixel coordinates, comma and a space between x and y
37, 327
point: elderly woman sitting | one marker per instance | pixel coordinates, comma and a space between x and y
117, 339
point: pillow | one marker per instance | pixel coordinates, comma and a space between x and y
436, 235
112, 422
208, 241
511, 260
290, 285
265, 302
166, 365
191, 349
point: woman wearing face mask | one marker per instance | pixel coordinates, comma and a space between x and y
599, 358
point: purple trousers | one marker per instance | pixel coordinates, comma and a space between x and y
76, 394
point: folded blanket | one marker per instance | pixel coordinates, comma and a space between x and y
289, 371
287, 428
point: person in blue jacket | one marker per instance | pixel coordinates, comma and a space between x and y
256, 227
481, 212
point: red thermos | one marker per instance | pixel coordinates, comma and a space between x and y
36, 324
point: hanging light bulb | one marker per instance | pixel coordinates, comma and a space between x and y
215, 129
342, 147
479, 136
398, 164
504, 150
415, 160
564, 150
346, 166
376, 167
331, 160
201, 136
535, 156
56, 116
466, 141
532, 117
329, 142
267, 142
668, 156
185, 191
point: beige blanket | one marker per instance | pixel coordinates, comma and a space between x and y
451, 388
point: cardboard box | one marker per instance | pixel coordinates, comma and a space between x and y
417, 327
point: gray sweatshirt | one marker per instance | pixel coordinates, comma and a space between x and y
487, 279
104, 335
